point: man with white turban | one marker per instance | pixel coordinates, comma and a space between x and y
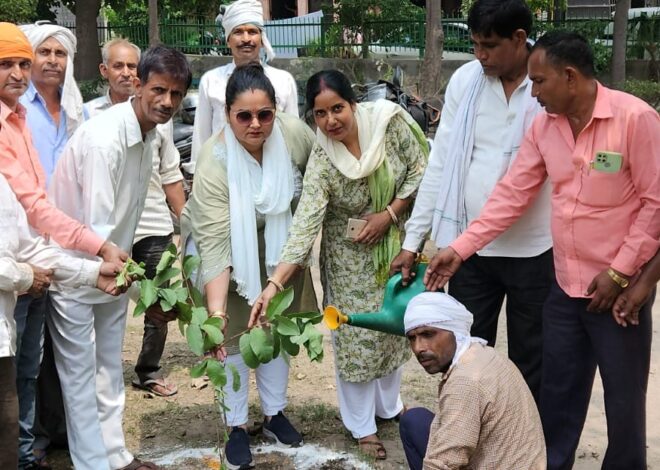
243, 24
53, 102
486, 415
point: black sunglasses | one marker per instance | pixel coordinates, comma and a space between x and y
265, 116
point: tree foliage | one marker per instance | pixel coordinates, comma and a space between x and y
18, 11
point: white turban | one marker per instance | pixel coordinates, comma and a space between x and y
439, 310
71, 100
247, 12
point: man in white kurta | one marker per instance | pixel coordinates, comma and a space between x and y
155, 229
102, 180
488, 107
244, 29
20, 250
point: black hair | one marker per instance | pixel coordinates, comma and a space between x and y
332, 80
502, 17
248, 77
563, 47
164, 60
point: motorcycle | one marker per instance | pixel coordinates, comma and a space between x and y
182, 134
423, 113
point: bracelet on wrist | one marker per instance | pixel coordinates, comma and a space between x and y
393, 215
219, 314
620, 280
278, 285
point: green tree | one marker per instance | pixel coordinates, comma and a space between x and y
372, 21
18, 11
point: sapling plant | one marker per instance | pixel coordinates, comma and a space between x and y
173, 289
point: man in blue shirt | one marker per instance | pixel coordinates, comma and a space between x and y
53, 102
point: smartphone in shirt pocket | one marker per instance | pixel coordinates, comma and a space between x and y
354, 227
607, 162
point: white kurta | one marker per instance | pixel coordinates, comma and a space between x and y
529, 236
102, 179
20, 247
155, 220
210, 114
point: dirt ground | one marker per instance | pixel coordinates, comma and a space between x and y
190, 420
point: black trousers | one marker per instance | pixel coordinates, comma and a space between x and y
8, 414
149, 250
482, 283
575, 342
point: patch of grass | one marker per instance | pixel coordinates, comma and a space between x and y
314, 412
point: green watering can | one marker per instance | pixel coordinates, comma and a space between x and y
390, 318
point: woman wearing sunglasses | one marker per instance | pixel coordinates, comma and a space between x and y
367, 164
248, 180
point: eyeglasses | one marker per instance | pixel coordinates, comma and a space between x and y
265, 117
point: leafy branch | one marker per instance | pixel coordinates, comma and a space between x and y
172, 289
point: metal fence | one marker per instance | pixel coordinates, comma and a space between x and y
377, 38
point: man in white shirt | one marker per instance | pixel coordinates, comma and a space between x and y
102, 180
244, 29
21, 250
155, 229
488, 107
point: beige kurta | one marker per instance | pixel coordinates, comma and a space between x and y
486, 417
348, 274
206, 217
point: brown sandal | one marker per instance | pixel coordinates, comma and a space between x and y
158, 387
372, 448
137, 464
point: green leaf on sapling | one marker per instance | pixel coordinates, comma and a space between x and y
139, 308
166, 260
195, 339
148, 292
199, 315
286, 327
190, 263
235, 378
170, 298
279, 303
214, 333
198, 370
247, 353
262, 345
216, 373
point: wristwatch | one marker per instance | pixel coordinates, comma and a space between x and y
622, 281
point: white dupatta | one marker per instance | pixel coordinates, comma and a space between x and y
450, 215
267, 189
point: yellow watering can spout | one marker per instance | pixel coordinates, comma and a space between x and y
333, 318
390, 317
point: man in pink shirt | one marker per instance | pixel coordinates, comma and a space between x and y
600, 148
20, 165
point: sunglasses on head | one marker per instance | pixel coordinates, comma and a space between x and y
265, 116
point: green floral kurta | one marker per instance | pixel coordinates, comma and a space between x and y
348, 275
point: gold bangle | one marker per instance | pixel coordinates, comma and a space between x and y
219, 314
278, 285
393, 215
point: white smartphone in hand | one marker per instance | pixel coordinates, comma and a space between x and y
354, 227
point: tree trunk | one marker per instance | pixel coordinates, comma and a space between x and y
88, 56
619, 39
154, 35
431, 84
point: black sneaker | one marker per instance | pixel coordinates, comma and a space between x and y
237, 450
280, 429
